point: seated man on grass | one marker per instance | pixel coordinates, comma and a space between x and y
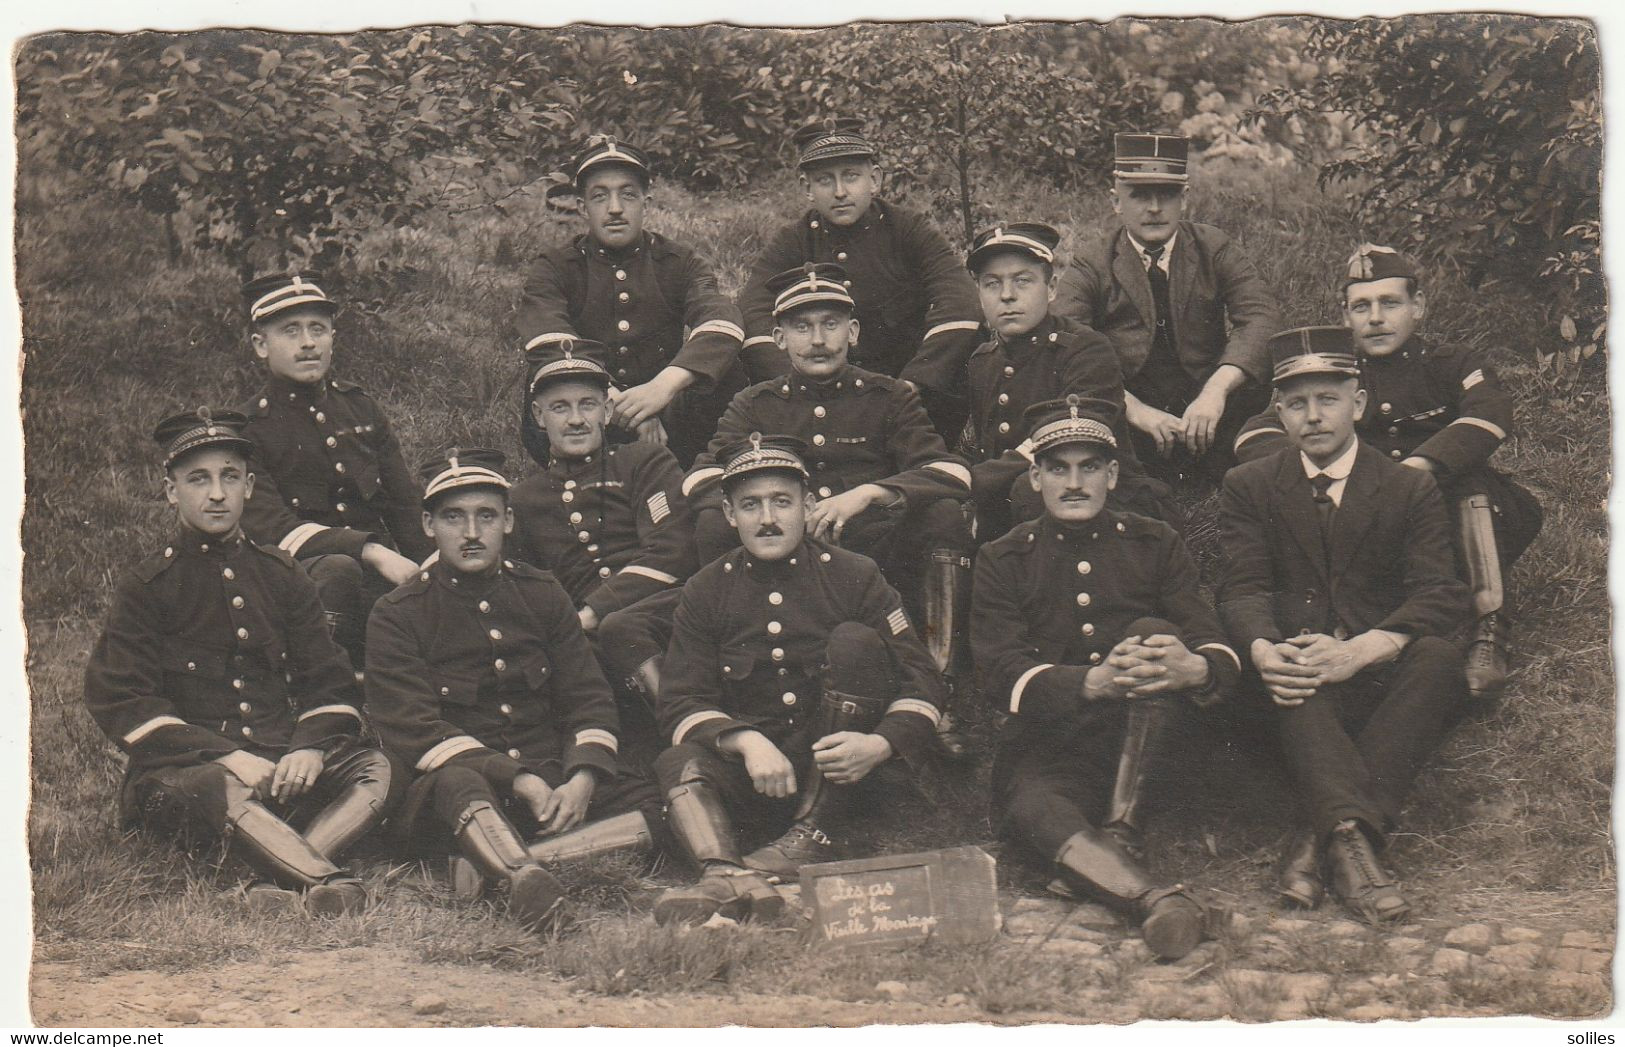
1091, 635
216, 674
795, 690
482, 682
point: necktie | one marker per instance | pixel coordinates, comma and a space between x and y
1322, 483
1159, 292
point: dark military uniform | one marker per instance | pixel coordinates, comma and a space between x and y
1444, 403
216, 646
329, 478
748, 649
474, 680
615, 529
1049, 602
639, 302
1054, 359
862, 427
917, 310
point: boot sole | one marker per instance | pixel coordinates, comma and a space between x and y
1172, 931
534, 897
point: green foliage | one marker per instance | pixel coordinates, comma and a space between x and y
1482, 151
959, 108
262, 146
270, 149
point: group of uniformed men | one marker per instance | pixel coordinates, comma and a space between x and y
754, 525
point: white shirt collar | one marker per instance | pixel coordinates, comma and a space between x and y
1145, 258
1339, 470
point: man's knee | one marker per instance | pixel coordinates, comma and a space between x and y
1150, 626
1433, 654
685, 764
858, 661
452, 788
943, 523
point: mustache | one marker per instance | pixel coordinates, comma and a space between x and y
770, 531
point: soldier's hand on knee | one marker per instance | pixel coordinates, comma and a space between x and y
1182, 668
533, 793
589, 619
568, 804
253, 771
769, 769
849, 756
296, 774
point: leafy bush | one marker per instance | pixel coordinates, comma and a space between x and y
1483, 151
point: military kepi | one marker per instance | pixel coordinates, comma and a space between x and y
1074, 420
266, 296
757, 453
604, 150
811, 284
1375, 262
1034, 238
181, 434
833, 138
462, 467
1150, 159
1313, 350
568, 359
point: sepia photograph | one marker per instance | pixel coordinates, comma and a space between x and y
888, 523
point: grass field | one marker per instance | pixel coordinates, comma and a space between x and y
1512, 817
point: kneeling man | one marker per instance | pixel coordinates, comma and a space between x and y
481, 680
793, 676
1089, 631
218, 677
1340, 582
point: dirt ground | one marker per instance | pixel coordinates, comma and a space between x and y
1554, 958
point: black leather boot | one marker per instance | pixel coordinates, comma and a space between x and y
1144, 738
726, 887
813, 836
493, 846
1170, 920
1299, 879
1360, 880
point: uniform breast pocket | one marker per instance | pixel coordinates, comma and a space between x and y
736, 665
535, 702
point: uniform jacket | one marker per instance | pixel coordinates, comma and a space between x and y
216, 645
493, 672
638, 301
1390, 565
1210, 281
749, 638
612, 527
329, 476
917, 309
860, 427
1050, 601
1441, 402
1055, 358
